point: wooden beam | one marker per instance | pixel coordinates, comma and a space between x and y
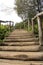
0, 23
39, 14
20, 48
32, 26
28, 24
24, 25
40, 30
21, 55
10, 24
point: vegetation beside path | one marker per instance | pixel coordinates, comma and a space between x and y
4, 31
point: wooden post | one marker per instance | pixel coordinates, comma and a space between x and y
0, 22
28, 24
20, 26
10, 25
40, 30
24, 25
32, 26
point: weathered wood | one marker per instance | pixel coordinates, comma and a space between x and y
40, 31
14, 37
32, 26
22, 55
22, 40
10, 25
20, 43
39, 14
28, 24
0, 23
20, 48
17, 62
24, 25
21, 35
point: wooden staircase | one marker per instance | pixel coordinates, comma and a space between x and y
21, 48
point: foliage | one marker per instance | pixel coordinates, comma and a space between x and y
4, 30
36, 29
19, 25
35, 26
23, 25
25, 8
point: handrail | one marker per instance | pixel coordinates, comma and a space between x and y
39, 14
39, 27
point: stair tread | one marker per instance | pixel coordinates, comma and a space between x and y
20, 43
16, 62
20, 48
19, 37
21, 55
30, 39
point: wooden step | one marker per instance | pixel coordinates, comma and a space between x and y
26, 40
20, 48
21, 35
16, 62
2, 63
31, 56
19, 43
24, 37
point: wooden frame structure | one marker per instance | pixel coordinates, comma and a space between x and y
10, 22
38, 17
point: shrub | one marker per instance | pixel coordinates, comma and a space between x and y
4, 30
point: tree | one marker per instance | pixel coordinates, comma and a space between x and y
38, 5
25, 8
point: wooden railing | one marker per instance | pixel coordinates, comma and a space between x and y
11, 23
38, 17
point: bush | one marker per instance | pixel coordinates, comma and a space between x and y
19, 25
36, 28
4, 30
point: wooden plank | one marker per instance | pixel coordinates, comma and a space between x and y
20, 43
32, 26
21, 55
21, 40
40, 31
39, 14
16, 62
20, 48
21, 36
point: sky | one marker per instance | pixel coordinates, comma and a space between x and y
7, 12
